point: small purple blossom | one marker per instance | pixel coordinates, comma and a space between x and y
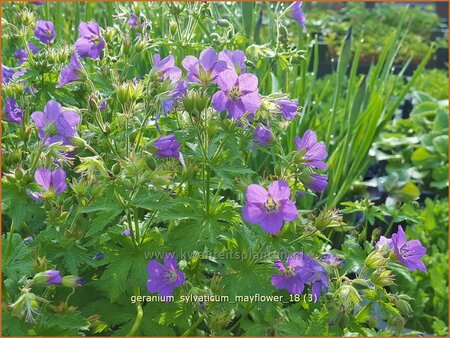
206, 68
72, 281
126, 232
72, 72
269, 208
49, 277
7, 74
313, 152
174, 95
317, 182
13, 112
98, 256
288, 108
50, 181
262, 135
297, 13
28, 240
91, 42
166, 68
164, 278
102, 106
238, 94
22, 54
133, 20
235, 60
45, 31
408, 253
55, 124
332, 260
301, 269
168, 146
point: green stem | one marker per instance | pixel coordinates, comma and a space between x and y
139, 315
136, 223
10, 240
247, 311
130, 227
70, 295
193, 326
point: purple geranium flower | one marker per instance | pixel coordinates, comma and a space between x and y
313, 152
90, 43
55, 124
317, 182
22, 54
168, 146
206, 69
408, 253
166, 68
164, 278
72, 72
50, 181
133, 20
13, 112
49, 277
301, 269
332, 260
45, 31
263, 135
238, 94
174, 94
269, 208
235, 60
7, 74
297, 13
288, 108
126, 232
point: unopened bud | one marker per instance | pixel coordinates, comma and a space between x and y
46, 278
72, 281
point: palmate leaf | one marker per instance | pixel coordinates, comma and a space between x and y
62, 324
19, 262
318, 325
19, 206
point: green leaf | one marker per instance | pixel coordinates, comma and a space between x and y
19, 263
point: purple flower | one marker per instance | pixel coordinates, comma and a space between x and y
269, 208
72, 72
45, 31
49, 277
7, 74
262, 135
317, 182
164, 278
22, 54
13, 112
55, 124
126, 232
168, 146
332, 260
235, 60
301, 269
39, 2
102, 106
90, 43
313, 152
238, 94
50, 181
174, 95
206, 69
297, 13
133, 20
408, 253
166, 68
288, 108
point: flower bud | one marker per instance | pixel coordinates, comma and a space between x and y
376, 259
116, 169
223, 23
405, 308
189, 101
26, 18
382, 278
328, 218
46, 278
126, 92
18, 173
219, 321
173, 27
72, 281
78, 142
348, 296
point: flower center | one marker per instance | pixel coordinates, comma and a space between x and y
171, 276
271, 205
289, 272
50, 129
48, 32
235, 93
95, 39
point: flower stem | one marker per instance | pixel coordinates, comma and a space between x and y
10, 240
70, 295
139, 315
193, 326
